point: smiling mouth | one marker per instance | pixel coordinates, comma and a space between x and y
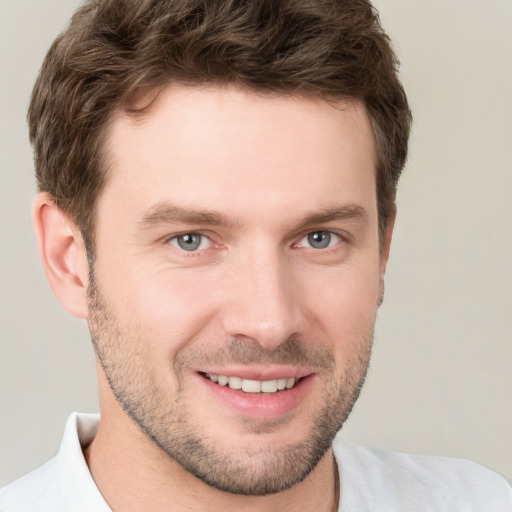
253, 386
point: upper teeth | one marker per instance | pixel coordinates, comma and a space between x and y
253, 386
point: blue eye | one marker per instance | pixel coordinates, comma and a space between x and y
320, 239
190, 242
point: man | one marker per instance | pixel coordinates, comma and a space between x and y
217, 200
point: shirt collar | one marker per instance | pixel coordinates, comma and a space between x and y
79, 491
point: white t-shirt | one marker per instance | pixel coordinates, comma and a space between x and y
370, 480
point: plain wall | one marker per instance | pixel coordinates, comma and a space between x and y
440, 380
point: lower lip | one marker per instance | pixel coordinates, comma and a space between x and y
260, 405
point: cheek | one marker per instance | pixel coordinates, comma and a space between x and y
348, 295
346, 312
167, 309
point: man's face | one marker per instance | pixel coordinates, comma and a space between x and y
237, 240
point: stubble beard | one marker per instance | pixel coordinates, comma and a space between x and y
250, 471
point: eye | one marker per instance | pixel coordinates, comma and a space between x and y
190, 242
320, 240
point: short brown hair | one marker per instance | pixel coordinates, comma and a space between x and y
335, 49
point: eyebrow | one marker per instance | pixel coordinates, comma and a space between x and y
168, 213
347, 212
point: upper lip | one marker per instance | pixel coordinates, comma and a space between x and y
259, 373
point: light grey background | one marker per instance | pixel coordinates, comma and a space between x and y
440, 380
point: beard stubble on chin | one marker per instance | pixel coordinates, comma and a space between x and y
168, 422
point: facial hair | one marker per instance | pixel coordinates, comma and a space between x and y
163, 413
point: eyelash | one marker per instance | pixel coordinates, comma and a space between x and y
174, 241
192, 234
330, 235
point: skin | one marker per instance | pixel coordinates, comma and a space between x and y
254, 175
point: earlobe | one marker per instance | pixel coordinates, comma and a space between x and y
62, 253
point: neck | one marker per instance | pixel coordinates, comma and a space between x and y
133, 474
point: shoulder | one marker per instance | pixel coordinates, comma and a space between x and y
64, 482
33, 491
417, 482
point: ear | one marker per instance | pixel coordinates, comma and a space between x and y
384, 251
62, 253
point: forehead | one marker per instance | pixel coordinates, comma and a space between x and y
228, 149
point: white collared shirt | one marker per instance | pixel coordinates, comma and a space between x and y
64, 483
370, 480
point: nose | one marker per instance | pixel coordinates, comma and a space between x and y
262, 300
